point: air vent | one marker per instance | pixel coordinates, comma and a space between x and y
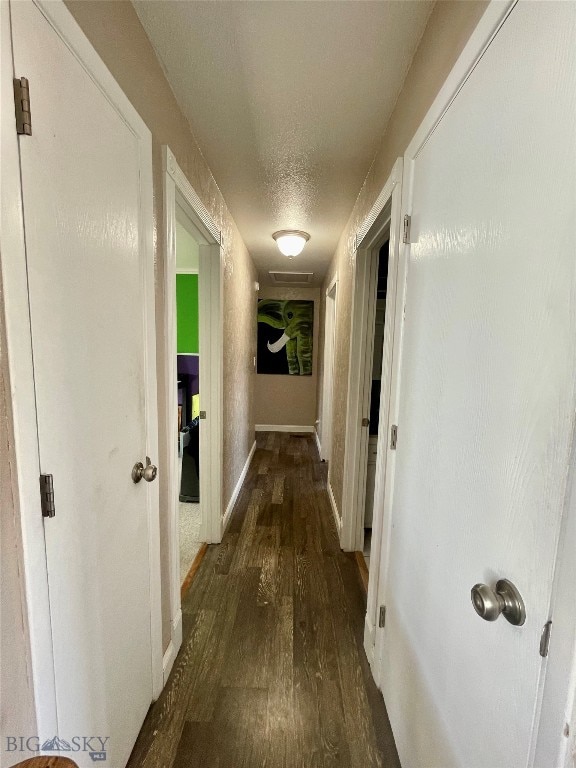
291, 278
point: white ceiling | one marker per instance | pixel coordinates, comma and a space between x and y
288, 101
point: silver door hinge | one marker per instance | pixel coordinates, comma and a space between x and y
407, 228
393, 436
365, 422
47, 496
545, 639
382, 616
22, 106
202, 414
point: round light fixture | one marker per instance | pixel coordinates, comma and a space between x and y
291, 241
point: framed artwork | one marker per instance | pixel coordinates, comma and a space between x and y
285, 333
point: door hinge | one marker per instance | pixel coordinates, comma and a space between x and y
382, 616
22, 106
47, 496
393, 436
202, 415
365, 422
545, 639
407, 228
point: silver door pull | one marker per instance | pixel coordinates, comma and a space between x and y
505, 599
147, 472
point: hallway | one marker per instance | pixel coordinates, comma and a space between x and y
272, 670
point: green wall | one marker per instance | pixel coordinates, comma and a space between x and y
187, 313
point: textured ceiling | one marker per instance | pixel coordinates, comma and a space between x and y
288, 102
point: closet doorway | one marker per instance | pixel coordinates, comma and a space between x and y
193, 282
371, 408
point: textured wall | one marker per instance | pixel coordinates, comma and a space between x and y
289, 399
115, 31
451, 24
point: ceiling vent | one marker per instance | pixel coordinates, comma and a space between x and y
291, 278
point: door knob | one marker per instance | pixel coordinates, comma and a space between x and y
505, 599
147, 472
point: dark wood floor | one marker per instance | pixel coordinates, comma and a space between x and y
272, 671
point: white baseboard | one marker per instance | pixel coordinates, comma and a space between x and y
237, 488
173, 646
283, 428
318, 443
337, 518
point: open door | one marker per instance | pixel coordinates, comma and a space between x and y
86, 189
488, 395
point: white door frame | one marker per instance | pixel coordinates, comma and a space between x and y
20, 360
177, 189
384, 214
552, 740
330, 315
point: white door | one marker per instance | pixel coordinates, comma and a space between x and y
487, 401
89, 269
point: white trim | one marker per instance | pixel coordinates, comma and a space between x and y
201, 218
173, 647
188, 354
370, 640
238, 487
187, 270
173, 466
318, 443
327, 391
334, 506
283, 428
361, 351
391, 355
333, 284
494, 16
178, 192
20, 359
19, 356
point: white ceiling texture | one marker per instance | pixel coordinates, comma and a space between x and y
288, 101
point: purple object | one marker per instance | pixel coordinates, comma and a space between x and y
189, 365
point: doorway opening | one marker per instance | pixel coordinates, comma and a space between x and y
188, 387
381, 280
193, 283
328, 383
369, 460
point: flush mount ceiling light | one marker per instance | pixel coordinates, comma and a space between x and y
291, 241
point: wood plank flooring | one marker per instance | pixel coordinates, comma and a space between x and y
272, 673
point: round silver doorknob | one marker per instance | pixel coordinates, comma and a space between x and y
147, 472
150, 471
505, 599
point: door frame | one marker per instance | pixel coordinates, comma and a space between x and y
384, 214
179, 191
551, 740
20, 359
330, 306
